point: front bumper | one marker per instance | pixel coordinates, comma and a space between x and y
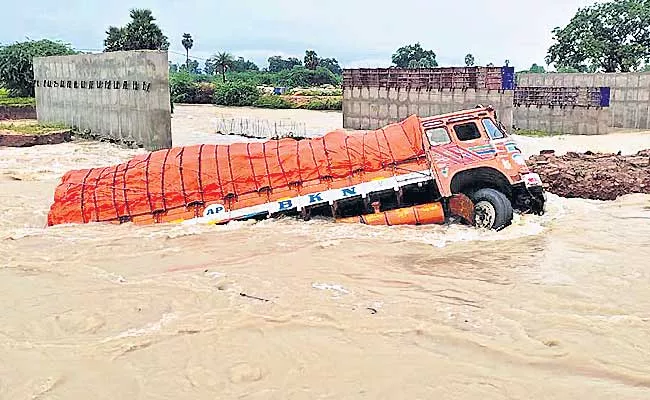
528, 195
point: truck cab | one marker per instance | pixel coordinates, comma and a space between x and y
471, 153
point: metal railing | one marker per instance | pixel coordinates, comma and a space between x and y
260, 128
562, 96
492, 78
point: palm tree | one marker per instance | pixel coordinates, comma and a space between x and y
224, 61
188, 42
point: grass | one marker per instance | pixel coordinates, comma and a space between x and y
299, 102
272, 101
334, 103
33, 129
5, 100
534, 133
17, 101
316, 92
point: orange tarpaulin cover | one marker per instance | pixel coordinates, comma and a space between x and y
182, 176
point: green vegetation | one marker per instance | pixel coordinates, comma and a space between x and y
193, 89
414, 56
16, 64
277, 63
609, 37
271, 101
5, 100
311, 59
316, 92
236, 94
324, 104
223, 62
188, 43
33, 129
316, 103
141, 33
17, 101
241, 82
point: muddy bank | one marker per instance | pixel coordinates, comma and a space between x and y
597, 176
17, 112
10, 139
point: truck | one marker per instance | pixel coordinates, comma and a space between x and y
455, 167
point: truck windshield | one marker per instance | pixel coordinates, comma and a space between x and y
492, 130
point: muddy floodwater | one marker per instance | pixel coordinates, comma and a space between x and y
553, 307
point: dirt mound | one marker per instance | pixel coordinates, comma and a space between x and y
595, 176
14, 139
17, 112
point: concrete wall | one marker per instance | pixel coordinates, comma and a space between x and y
578, 120
629, 102
120, 95
372, 108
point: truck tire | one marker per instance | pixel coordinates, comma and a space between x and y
492, 209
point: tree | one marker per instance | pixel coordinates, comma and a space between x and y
210, 67
192, 67
223, 61
243, 65
188, 43
613, 36
277, 63
331, 64
300, 76
423, 58
115, 39
141, 33
311, 59
536, 69
469, 60
572, 70
424, 63
17, 67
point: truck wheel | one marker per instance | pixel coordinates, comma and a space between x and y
492, 209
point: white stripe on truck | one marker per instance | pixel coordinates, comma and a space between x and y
216, 212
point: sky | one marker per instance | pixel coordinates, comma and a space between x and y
358, 33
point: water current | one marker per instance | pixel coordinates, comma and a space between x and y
553, 307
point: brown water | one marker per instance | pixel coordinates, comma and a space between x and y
554, 307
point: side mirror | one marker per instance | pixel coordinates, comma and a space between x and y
502, 127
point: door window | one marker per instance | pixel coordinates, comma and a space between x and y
467, 131
492, 130
437, 136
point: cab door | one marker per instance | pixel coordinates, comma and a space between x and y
456, 146
437, 141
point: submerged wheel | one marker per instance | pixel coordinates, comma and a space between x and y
492, 209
